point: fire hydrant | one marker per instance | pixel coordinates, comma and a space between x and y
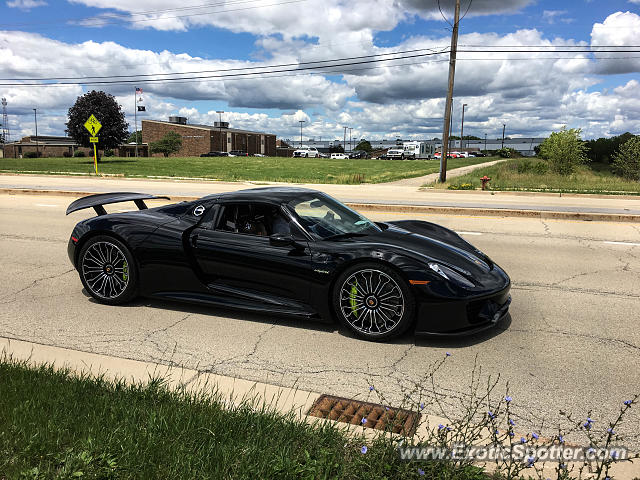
485, 180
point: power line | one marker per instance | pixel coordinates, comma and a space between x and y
236, 69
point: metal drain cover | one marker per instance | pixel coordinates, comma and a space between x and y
378, 416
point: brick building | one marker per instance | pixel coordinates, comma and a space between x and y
199, 139
47, 145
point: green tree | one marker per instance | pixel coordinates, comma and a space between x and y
565, 150
135, 137
104, 107
626, 162
168, 144
364, 145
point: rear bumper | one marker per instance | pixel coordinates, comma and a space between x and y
462, 317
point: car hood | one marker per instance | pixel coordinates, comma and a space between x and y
430, 242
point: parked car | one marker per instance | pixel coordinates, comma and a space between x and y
288, 251
215, 154
395, 153
479, 154
258, 155
339, 156
307, 152
358, 154
238, 153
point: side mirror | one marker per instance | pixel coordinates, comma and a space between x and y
281, 240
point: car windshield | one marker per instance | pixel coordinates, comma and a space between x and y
324, 217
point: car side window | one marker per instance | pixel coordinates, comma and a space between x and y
254, 219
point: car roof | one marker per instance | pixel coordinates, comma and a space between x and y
266, 194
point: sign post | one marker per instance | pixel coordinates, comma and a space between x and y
93, 126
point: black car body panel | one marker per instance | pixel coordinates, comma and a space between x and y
180, 256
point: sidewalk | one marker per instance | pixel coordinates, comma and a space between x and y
368, 194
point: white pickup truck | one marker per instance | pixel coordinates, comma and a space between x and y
307, 152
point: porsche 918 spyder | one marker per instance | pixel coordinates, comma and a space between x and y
289, 251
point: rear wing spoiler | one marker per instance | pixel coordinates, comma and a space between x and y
97, 201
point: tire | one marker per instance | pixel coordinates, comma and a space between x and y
373, 301
107, 270
306, 156
402, 157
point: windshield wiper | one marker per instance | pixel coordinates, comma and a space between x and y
345, 235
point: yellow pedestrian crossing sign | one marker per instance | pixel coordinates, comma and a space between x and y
93, 125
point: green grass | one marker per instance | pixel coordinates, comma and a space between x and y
57, 425
276, 169
522, 175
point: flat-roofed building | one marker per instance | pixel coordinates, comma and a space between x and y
199, 139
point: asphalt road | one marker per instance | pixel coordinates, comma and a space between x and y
572, 342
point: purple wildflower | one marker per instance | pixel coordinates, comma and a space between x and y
507, 399
512, 423
371, 388
535, 435
364, 420
628, 402
523, 440
448, 354
421, 472
364, 449
491, 415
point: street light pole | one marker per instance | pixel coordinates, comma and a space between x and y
220, 112
344, 140
350, 145
301, 122
35, 117
464, 105
504, 127
485, 143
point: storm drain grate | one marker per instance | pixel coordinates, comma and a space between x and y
379, 417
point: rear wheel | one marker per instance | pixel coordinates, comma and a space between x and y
107, 270
373, 301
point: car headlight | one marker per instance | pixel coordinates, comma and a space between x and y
451, 275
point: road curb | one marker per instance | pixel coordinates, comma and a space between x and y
383, 207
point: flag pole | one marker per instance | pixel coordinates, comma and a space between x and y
135, 116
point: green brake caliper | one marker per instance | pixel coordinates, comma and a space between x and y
352, 299
125, 271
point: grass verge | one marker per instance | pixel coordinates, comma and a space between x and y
532, 175
54, 424
271, 169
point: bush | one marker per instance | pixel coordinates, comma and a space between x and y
79, 153
32, 155
626, 162
461, 186
109, 153
565, 150
66, 154
507, 153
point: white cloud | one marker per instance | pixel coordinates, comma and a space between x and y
618, 29
550, 16
25, 4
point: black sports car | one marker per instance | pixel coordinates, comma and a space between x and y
290, 251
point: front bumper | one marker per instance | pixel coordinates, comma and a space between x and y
464, 316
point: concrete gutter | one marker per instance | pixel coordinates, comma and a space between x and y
232, 390
405, 208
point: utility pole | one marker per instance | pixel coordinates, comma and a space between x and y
504, 127
220, 112
301, 122
350, 145
485, 143
464, 105
344, 140
447, 110
35, 117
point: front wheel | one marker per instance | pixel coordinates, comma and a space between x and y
107, 270
373, 301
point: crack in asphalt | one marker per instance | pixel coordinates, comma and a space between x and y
547, 286
597, 338
33, 284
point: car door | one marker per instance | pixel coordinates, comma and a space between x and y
248, 269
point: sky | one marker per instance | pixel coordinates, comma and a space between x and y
135, 44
